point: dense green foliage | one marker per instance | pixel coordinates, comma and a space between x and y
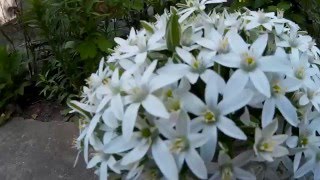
13, 80
305, 12
79, 33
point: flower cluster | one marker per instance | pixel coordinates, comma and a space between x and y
201, 95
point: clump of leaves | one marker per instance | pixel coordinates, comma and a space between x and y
13, 81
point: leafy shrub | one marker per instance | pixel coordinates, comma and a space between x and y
80, 32
201, 95
13, 80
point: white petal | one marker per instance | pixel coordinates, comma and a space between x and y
236, 83
231, 60
94, 161
186, 15
260, 82
304, 169
273, 64
237, 44
304, 100
237, 101
242, 174
268, 112
117, 106
270, 129
259, 45
208, 150
129, 120
196, 164
163, 80
292, 141
103, 103
287, 110
120, 144
186, 56
252, 25
228, 127
183, 124
197, 139
211, 93
135, 154
164, 159
192, 103
280, 151
243, 158
207, 43
148, 72
296, 161
103, 175
154, 106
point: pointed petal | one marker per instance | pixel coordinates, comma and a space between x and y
237, 101
268, 112
129, 120
304, 169
228, 127
117, 106
164, 159
148, 72
242, 174
196, 164
94, 161
208, 150
135, 154
259, 45
154, 106
103, 174
287, 110
186, 56
236, 83
260, 82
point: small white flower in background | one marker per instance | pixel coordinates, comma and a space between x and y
268, 146
169, 93
260, 18
228, 168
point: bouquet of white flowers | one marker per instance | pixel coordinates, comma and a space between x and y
199, 95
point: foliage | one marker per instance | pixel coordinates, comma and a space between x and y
13, 80
305, 12
205, 95
80, 32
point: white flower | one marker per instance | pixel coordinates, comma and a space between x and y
268, 146
228, 168
183, 144
213, 116
311, 95
311, 165
279, 87
194, 5
251, 63
139, 90
192, 68
260, 18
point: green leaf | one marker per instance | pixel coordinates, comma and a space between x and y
103, 43
87, 49
284, 5
173, 32
147, 26
137, 5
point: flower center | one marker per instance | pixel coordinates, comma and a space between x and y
303, 141
169, 93
248, 62
300, 73
227, 173
209, 117
139, 94
198, 66
105, 81
224, 46
276, 89
262, 18
267, 146
145, 132
179, 145
174, 105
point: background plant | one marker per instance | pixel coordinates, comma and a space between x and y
13, 80
78, 33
